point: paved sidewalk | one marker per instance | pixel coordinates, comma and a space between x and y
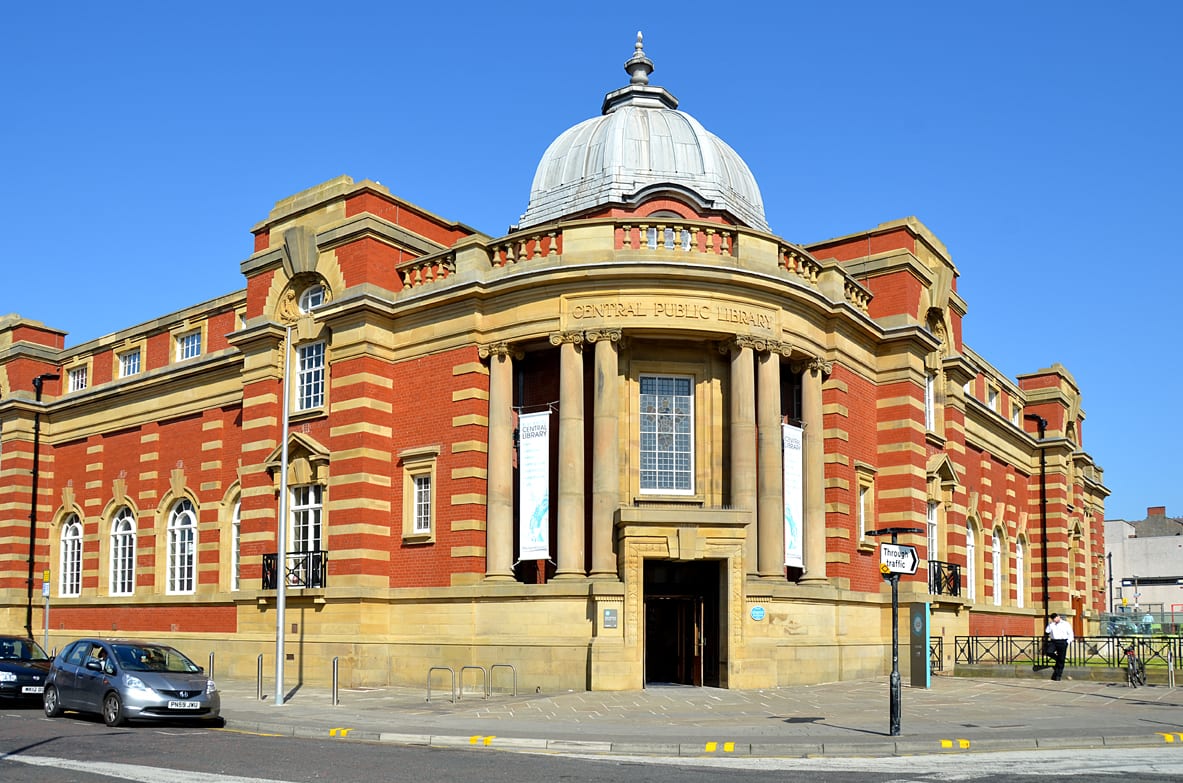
956, 715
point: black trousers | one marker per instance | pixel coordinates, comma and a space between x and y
1059, 651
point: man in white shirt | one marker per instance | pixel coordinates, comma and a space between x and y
1060, 633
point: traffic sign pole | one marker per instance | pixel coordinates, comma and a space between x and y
896, 688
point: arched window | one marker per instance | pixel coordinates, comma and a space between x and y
1020, 576
971, 563
311, 297
123, 553
182, 548
996, 566
70, 569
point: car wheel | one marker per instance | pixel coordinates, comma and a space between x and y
53, 705
113, 710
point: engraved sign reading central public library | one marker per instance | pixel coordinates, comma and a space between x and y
684, 312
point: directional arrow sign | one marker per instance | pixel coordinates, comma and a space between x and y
898, 558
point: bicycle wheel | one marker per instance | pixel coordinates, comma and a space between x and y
1140, 673
1131, 674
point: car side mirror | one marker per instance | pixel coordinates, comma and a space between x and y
95, 666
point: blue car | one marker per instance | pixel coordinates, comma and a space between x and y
124, 680
23, 668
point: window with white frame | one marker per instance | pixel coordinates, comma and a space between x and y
182, 548
189, 345
70, 565
311, 297
930, 402
310, 377
1020, 575
129, 363
667, 434
971, 563
306, 518
422, 523
933, 529
76, 378
418, 493
996, 567
992, 398
235, 546
865, 503
123, 553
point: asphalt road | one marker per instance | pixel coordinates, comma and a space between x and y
34, 749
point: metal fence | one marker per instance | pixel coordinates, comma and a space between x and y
1084, 650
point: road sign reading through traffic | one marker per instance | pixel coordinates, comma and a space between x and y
898, 558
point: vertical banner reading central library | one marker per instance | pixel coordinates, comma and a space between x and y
534, 486
791, 448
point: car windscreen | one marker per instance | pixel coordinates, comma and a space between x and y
16, 649
152, 658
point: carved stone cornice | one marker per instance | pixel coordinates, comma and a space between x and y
501, 349
757, 344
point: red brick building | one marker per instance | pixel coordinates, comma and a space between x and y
639, 438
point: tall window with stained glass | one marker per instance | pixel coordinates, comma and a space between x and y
667, 434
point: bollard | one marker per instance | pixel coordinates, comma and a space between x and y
336, 700
210, 671
260, 678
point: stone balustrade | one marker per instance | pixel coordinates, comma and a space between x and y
427, 269
677, 235
525, 246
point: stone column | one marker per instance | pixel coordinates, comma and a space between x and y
770, 508
814, 470
606, 467
499, 508
571, 456
743, 442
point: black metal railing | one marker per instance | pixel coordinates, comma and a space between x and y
944, 578
301, 569
936, 653
1097, 650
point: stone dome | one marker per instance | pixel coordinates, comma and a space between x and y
641, 144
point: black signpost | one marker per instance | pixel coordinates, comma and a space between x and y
893, 562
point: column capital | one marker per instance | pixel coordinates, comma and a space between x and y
814, 363
757, 344
501, 349
560, 338
602, 335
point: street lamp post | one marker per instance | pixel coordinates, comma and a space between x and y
37, 384
1041, 423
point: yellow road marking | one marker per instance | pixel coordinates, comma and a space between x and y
477, 739
963, 744
712, 747
339, 732
728, 747
1169, 737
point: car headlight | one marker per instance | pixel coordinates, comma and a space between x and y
210, 686
8, 677
135, 683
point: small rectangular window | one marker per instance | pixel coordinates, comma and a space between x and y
129, 363
189, 346
310, 383
77, 378
423, 503
992, 398
930, 402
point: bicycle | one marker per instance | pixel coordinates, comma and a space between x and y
1135, 670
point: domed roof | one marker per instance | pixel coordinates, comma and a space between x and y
641, 143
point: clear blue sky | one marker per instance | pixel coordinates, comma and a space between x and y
1039, 141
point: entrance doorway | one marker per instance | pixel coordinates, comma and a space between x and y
682, 622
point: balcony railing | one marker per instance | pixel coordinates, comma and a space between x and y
300, 569
944, 578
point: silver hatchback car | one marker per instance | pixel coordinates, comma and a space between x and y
129, 680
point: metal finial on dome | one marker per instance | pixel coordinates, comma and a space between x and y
639, 66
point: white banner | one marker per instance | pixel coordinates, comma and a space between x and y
791, 446
534, 486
